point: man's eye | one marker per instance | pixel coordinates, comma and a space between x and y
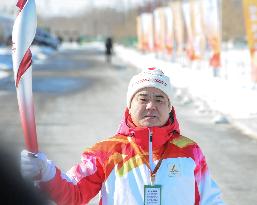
143, 99
159, 100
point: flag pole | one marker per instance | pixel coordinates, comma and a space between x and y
23, 33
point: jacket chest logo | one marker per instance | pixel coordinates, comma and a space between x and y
174, 170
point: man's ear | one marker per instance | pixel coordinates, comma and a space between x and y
171, 107
171, 116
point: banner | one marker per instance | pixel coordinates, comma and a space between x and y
139, 34
147, 31
178, 27
159, 30
212, 30
188, 17
198, 31
250, 14
169, 37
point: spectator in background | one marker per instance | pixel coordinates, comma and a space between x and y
108, 49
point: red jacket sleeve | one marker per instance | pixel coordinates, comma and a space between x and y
79, 185
207, 191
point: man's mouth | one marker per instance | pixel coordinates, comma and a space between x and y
150, 116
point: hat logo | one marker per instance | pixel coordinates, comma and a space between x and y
153, 80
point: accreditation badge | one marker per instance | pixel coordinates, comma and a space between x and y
152, 195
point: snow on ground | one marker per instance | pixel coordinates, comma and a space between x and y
39, 54
100, 46
3, 74
5, 58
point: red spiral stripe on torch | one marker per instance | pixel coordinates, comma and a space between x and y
27, 58
21, 4
24, 65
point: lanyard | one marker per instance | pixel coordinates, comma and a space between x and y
154, 171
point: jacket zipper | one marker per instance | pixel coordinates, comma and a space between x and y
151, 164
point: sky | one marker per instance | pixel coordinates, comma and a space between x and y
71, 7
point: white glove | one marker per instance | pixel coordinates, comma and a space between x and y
37, 166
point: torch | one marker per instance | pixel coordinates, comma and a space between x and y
23, 33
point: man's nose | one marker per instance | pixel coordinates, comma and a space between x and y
151, 104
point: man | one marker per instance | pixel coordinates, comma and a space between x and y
108, 49
146, 162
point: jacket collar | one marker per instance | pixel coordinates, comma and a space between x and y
140, 135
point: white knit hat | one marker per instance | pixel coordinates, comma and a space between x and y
150, 77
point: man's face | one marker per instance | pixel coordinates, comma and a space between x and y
150, 107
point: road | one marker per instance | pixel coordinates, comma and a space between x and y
79, 99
